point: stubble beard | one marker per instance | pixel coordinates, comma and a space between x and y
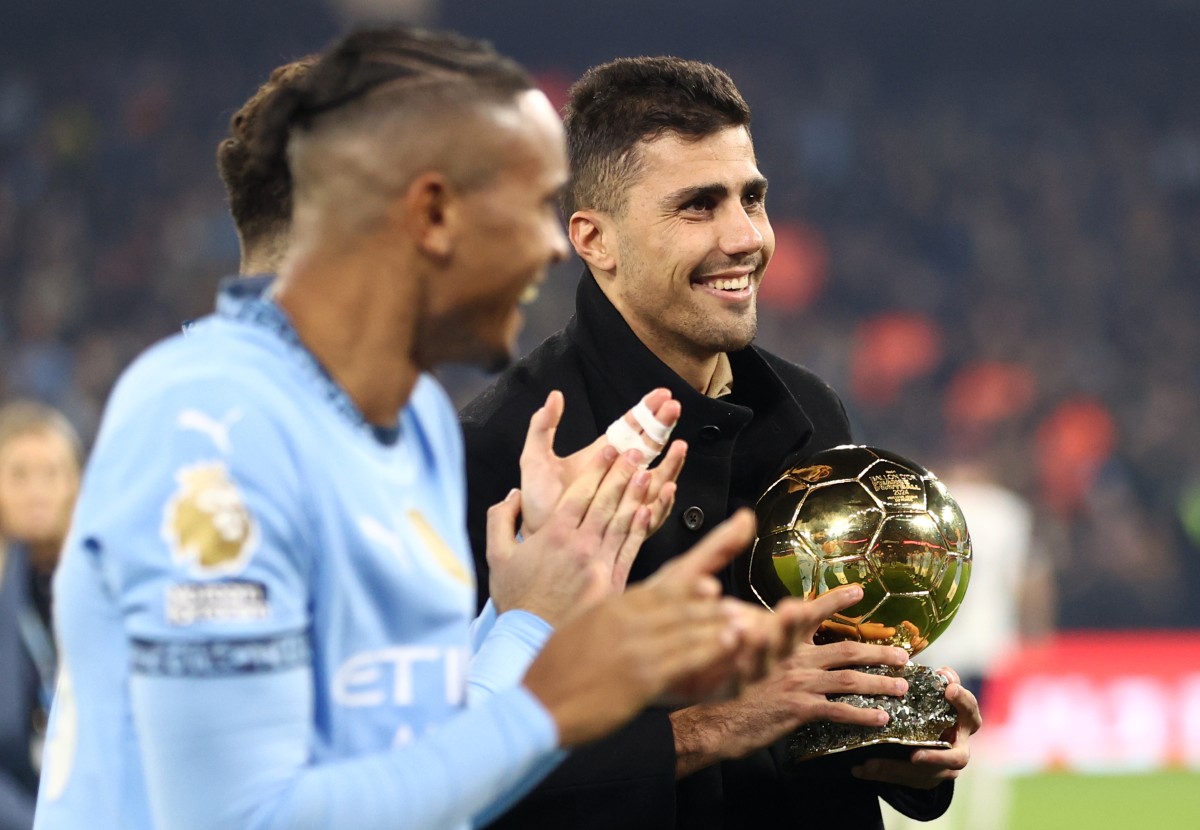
714, 337
703, 331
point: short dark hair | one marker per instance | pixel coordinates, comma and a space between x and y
617, 104
260, 194
376, 63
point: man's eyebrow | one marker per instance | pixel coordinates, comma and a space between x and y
684, 195
713, 190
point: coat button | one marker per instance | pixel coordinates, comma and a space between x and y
710, 433
693, 518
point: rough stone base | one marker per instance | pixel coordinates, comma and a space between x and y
917, 719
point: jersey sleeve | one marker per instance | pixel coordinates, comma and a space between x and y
195, 515
193, 506
233, 752
511, 643
509, 646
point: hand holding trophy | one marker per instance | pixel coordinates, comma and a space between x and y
856, 514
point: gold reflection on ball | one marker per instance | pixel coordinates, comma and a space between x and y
861, 514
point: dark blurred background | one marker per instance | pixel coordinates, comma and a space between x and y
988, 220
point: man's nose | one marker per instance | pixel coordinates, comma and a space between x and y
739, 233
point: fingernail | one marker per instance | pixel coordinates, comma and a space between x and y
857, 772
882, 718
634, 456
919, 757
609, 454
512, 494
641, 478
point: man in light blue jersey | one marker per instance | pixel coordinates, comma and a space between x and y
265, 598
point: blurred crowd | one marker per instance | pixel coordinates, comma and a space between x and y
998, 267
993, 257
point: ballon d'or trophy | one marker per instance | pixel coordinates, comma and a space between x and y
859, 514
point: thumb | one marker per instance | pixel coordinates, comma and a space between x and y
539, 439
806, 616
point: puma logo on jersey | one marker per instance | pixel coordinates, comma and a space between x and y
377, 532
216, 430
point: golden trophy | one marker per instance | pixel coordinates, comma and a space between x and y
856, 514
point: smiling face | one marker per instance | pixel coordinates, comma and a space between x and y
510, 233
684, 259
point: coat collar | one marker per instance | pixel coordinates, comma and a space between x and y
619, 369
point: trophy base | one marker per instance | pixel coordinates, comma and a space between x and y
916, 720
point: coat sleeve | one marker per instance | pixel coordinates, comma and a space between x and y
492, 471
923, 805
626, 780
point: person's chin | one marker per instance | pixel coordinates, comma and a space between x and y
497, 362
495, 357
736, 340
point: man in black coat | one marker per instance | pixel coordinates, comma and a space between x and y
666, 208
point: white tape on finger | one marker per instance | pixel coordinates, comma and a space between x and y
655, 429
624, 437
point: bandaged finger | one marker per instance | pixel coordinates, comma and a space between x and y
655, 429
624, 438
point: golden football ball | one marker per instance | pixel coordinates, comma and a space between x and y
857, 514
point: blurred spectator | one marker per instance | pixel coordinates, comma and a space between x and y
1010, 597
1009, 602
40, 458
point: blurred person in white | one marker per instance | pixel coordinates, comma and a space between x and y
40, 455
1010, 600
1010, 597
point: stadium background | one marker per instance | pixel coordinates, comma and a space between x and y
989, 243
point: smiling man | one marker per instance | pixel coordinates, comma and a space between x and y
681, 257
667, 210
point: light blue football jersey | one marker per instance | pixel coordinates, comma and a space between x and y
264, 604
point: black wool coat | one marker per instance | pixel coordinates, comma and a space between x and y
777, 414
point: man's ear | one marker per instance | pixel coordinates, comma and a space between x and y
593, 236
430, 209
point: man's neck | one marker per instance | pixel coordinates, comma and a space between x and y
721, 382
696, 368
43, 556
699, 374
359, 326
264, 255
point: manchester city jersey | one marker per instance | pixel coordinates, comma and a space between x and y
263, 605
